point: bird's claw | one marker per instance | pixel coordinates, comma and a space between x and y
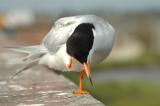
70, 63
69, 66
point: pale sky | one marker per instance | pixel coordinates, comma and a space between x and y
81, 5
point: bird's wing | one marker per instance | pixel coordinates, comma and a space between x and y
58, 35
34, 54
63, 29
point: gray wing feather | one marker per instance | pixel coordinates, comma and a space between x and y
25, 67
59, 34
34, 54
22, 49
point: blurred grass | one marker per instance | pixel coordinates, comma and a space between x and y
125, 93
122, 93
146, 59
128, 94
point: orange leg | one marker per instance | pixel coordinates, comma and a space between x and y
70, 63
79, 90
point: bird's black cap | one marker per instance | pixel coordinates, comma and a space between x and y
80, 42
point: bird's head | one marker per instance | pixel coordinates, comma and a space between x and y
80, 43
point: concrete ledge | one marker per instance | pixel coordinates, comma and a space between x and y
40, 87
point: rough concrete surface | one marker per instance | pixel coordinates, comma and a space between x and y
40, 87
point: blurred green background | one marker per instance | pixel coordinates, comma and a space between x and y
130, 76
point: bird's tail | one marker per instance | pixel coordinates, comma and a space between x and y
34, 53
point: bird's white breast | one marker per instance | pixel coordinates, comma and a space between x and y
59, 60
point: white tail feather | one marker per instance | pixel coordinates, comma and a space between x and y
34, 53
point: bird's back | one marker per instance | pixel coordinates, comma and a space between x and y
104, 35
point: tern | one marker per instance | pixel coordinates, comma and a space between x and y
74, 43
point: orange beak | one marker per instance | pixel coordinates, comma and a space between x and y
87, 70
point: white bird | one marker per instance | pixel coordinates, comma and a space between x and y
73, 44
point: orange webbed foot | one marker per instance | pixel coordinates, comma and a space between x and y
80, 91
